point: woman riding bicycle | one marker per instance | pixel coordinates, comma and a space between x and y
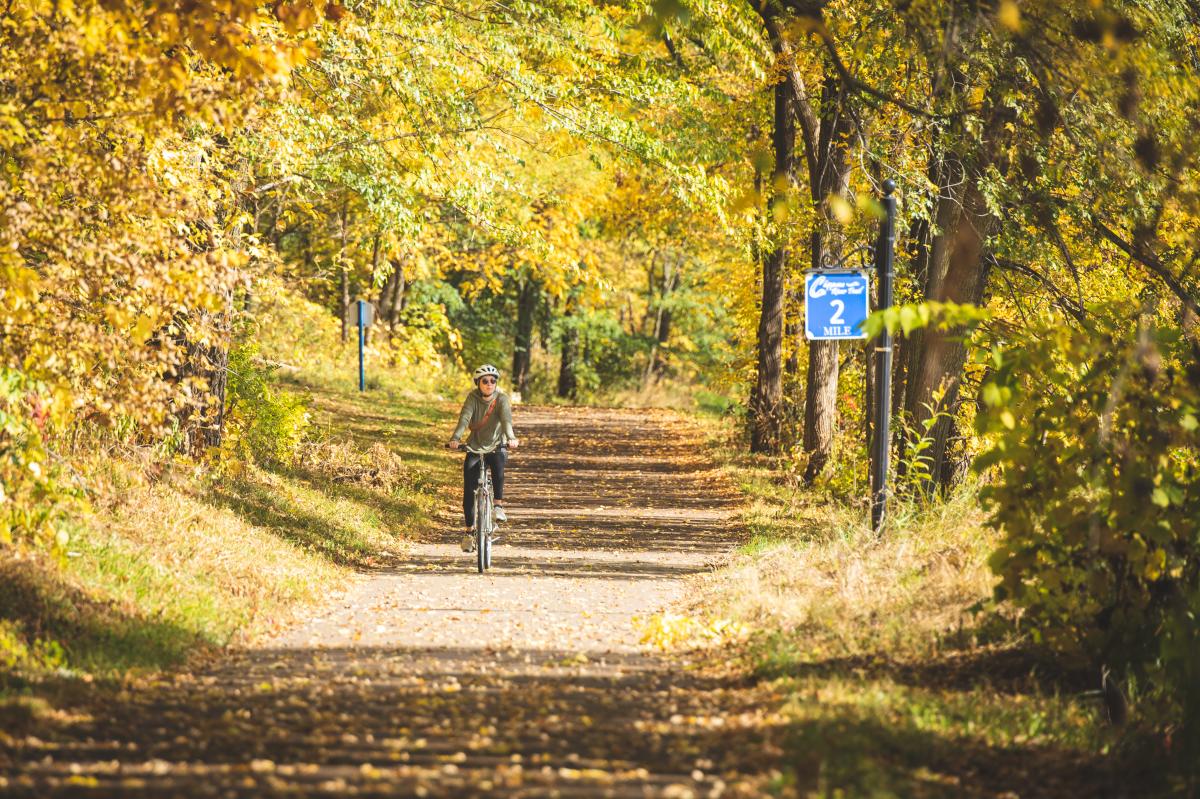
487, 414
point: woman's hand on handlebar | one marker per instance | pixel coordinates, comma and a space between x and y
513, 443
453, 445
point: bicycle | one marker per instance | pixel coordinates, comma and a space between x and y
485, 523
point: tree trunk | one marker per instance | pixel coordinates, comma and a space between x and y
958, 273
903, 347
344, 287
651, 289
825, 129
523, 341
387, 295
376, 251
766, 400
830, 176
344, 276
868, 353
399, 296
793, 329
208, 360
567, 383
948, 176
662, 325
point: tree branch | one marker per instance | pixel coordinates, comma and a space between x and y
805, 115
855, 84
1138, 252
1074, 309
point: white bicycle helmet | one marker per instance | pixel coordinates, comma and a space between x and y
485, 370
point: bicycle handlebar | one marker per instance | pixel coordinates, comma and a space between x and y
465, 448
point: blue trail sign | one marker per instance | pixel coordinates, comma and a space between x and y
836, 305
361, 314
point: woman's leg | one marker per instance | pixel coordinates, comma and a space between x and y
470, 480
496, 461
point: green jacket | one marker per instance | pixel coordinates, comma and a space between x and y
493, 433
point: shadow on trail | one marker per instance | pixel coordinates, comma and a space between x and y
603, 535
388, 722
506, 565
844, 754
453, 722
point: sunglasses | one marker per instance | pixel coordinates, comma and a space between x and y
488, 380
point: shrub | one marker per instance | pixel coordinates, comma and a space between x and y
34, 495
263, 424
1096, 440
17, 653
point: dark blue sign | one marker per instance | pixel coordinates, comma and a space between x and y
836, 305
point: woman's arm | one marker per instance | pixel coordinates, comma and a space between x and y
464, 419
506, 420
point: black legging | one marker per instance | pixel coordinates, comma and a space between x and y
495, 460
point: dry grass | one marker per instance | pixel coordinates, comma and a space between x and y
818, 570
197, 547
159, 571
343, 462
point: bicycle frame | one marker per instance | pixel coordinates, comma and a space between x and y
483, 512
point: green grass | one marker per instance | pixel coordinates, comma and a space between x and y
177, 561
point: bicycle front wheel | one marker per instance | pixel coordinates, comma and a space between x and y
483, 530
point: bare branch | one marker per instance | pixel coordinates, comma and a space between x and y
1071, 307
1138, 252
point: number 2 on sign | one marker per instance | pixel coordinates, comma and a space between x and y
837, 318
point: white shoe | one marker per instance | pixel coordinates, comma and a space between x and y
467, 543
498, 514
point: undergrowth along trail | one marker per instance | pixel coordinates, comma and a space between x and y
899, 677
175, 560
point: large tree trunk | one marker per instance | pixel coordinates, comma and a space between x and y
820, 406
947, 174
905, 347
959, 267
825, 129
766, 400
958, 273
523, 343
831, 175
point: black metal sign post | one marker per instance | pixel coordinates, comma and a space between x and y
362, 329
884, 265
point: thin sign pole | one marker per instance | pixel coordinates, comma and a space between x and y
362, 373
884, 265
